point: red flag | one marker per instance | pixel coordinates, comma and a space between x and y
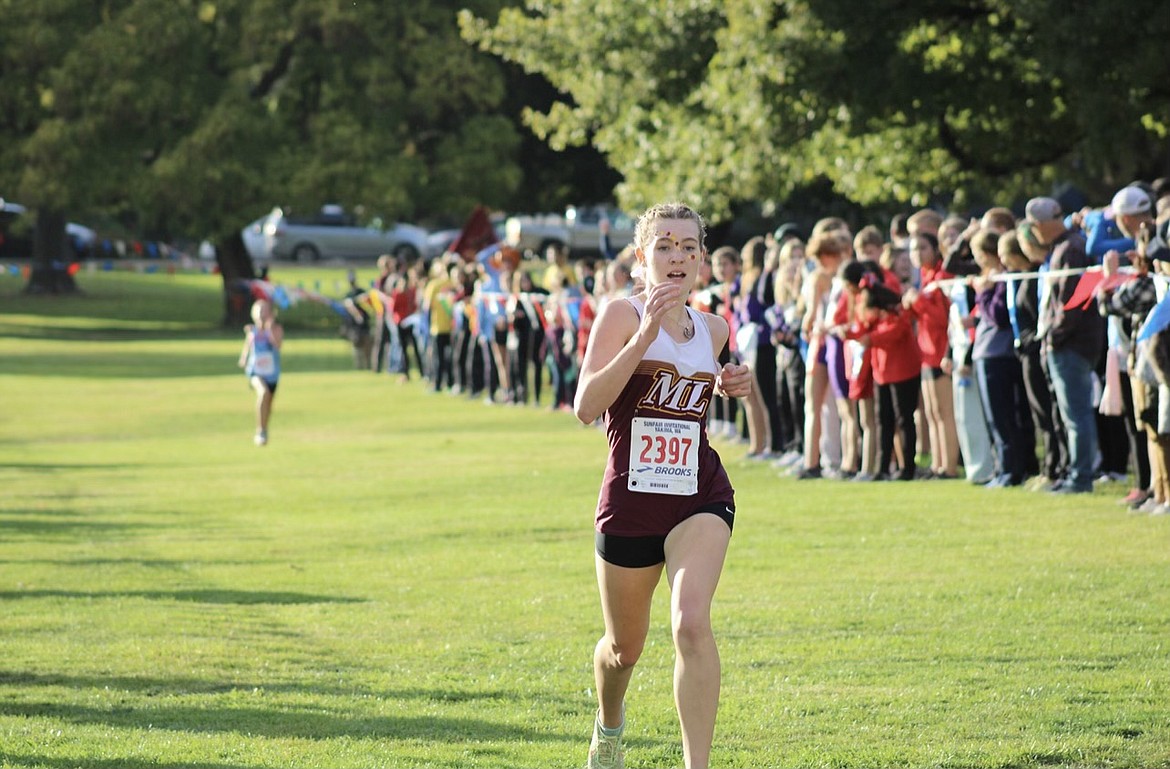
1115, 280
1085, 290
476, 235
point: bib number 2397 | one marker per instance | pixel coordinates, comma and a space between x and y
664, 456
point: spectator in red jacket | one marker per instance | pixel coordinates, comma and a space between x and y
403, 306
887, 331
848, 314
930, 307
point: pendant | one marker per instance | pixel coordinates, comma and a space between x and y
689, 333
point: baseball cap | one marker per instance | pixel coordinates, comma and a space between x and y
787, 230
1042, 210
1130, 201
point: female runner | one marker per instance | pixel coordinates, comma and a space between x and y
665, 503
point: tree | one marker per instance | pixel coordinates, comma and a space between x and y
193, 116
891, 101
32, 40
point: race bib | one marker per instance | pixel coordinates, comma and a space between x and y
264, 365
664, 456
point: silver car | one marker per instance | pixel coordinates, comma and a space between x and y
333, 233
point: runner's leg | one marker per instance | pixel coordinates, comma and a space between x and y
625, 605
695, 551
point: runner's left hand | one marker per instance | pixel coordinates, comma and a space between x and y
734, 381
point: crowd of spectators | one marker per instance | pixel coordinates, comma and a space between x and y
1008, 351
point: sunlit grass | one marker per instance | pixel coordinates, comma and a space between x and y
406, 579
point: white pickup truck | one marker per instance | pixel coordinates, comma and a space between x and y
579, 229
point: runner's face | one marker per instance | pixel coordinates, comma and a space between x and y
673, 253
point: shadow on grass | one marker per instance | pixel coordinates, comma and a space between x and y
288, 723
172, 364
68, 525
115, 333
19, 759
56, 467
224, 597
157, 687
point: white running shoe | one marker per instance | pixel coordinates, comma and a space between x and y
261, 438
605, 752
1150, 505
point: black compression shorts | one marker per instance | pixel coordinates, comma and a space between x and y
640, 552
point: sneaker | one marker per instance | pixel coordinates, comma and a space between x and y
1040, 483
1070, 488
1162, 509
605, 751
1135, 498
788, 458
261, 438
808, 473
1149, 506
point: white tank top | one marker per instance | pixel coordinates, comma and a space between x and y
689, 356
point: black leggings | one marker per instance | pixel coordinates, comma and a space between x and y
896, 403
441, 361
766, 379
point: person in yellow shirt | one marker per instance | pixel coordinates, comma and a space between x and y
559, 273
439, 307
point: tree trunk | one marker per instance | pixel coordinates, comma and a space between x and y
235, 266
51, 256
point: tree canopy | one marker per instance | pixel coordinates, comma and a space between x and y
195, 115
913, 102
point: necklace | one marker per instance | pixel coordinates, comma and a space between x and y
688, 331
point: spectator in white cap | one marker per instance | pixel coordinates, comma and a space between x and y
1126, 306
1132, 206
1074, 340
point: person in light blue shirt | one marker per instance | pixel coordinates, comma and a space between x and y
260, 359
1102, 234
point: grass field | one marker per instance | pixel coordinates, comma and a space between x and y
405, 579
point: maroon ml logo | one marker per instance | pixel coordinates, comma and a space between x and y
677, 394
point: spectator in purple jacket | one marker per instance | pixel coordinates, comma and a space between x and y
997, 369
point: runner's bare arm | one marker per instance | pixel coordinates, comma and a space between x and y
616, 346
610, 359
